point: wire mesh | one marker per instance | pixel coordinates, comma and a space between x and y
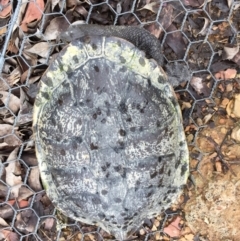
194, 32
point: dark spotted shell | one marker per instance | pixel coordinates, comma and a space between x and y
109, 136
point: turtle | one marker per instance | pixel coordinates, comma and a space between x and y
108, 130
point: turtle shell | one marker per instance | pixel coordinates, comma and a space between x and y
109, 136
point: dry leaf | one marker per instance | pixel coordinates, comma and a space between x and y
56, 26
230, 52
34, 12
6, 7
26, 221
13, 171
24, 193
204, 29
3, 223
207, 118
173, 229
236, 134
9, 136
34, 179
233, 107
48, 223
197, 84
9, 235
10, 101
42, 49
153, 7
226, 75
54, 3
10, 79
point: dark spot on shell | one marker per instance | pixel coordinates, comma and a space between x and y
108, 112
169, 200
62, 152
154, 174
150, 193
118, 168
75, 59
94, 46
105, 207
161, 80
45, 95
94, 116
160, 182
125, 227
74, 145
158, 123
107, 175
184, 168
104, 168
181, 143
122, 59
104, 192
48, 82
87, 39
123, 69
161, 170
37, 102
123, 214
60, 66
117, 200
103, 121
96, 200
160, 158
107, 104
101, 215
123, 107
177, 163
94, 222
132, 129
93, 147
169, 173
53, 121
141, 128
78, 139
149, 82
114, 222
98, 111
142, 61
129, 119
96, 68
122, 132
121, 144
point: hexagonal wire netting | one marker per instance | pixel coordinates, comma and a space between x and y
191, 31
